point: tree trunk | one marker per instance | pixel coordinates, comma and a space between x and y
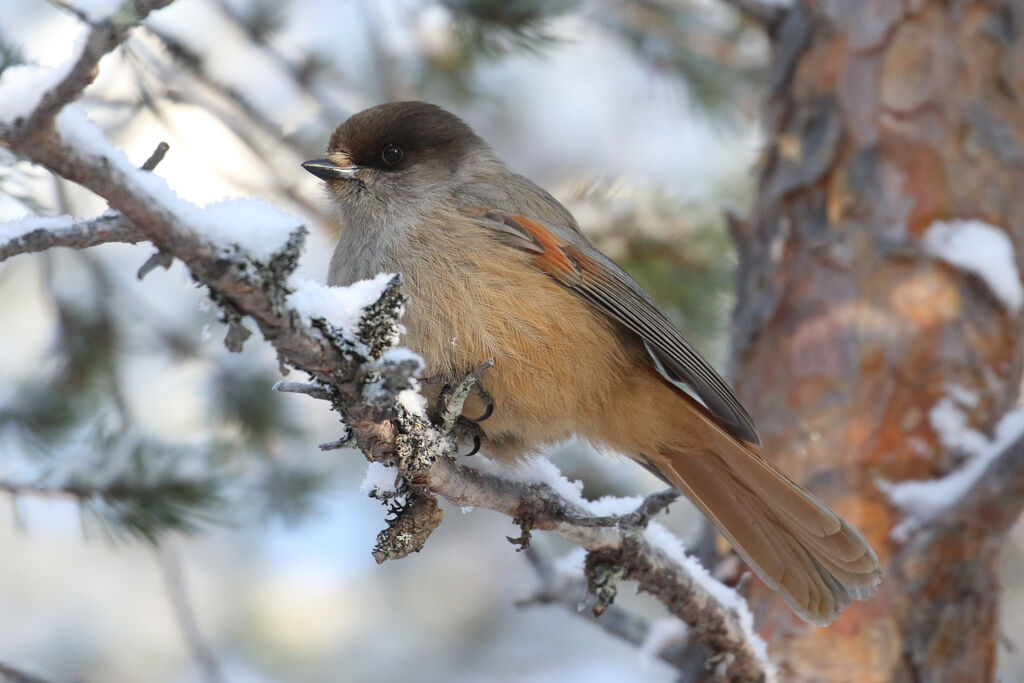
883, 117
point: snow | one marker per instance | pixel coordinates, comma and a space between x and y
950, 423
923, 500
661, 538
14, 230
342, 307
614, 505
981, 249
540, 470
252, 224
379, 478
400, 354
662, 634
535, 470
23, 86
413, 402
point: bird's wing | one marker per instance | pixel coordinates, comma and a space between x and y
583, 269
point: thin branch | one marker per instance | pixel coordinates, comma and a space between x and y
110, 227
9, 674
312, 389
103, 38
41, 491
712, 624
571, 593
653, 505
202, 653
992, 505
156, 157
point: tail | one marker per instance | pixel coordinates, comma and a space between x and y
798, 546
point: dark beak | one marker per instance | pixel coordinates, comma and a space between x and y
328, 170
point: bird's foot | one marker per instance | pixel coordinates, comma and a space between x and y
452, 398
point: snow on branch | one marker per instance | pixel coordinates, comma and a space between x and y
564, 584
992, 475
65, 83
35, 234
982, 250
245, 254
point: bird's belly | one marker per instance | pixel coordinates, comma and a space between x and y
557, 362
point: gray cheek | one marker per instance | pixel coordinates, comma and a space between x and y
381, 221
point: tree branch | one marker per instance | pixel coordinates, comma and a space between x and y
169, 561
368, 389
102, 39
990, 507
11, 675
538, 507
570, 592
389, 434
110, 227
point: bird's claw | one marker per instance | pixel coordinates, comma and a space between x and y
486, 399
452, 397
464, 428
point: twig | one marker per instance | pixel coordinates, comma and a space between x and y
991, 506
652, 505
348, 442
103, 38
571, 593
41, 491
11, 675
712, 624
156, 157
110, 227
312, 389
170, 567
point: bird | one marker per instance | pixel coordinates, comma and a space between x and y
494, 267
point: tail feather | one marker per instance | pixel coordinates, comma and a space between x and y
798, 546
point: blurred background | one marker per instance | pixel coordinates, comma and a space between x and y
124, 420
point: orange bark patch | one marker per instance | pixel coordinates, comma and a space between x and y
929, 298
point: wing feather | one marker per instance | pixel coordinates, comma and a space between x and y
587, 272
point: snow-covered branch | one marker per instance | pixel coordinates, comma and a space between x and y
983, 490
39, 234
106, 33
985, 496
245, 254
565, 586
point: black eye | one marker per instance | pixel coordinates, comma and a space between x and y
391, 154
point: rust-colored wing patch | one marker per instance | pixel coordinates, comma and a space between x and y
553, 260
584, 270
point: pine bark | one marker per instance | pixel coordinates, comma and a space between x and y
884, 116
